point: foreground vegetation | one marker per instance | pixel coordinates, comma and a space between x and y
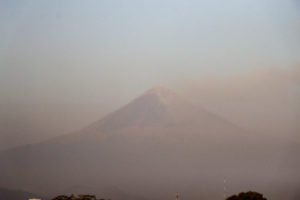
247, 196
241, 196
79, 197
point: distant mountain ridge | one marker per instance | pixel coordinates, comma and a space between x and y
7, 194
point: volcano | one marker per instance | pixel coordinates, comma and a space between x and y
150, 147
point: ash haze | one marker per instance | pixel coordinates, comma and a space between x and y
65, 64
74, 71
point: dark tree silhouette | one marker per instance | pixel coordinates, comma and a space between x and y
63, 197
79, 197
247, 196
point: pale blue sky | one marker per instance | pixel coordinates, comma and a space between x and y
67, 54
154, 40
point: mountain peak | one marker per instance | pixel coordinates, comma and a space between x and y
152, 108
158, 90
157, 107
163, 94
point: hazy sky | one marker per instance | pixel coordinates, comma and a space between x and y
61, 61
